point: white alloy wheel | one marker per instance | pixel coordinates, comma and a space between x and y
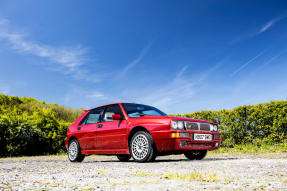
73, 150
140, 147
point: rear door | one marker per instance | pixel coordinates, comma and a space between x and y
88, 129
112, 134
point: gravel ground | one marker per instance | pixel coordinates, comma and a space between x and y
215, 172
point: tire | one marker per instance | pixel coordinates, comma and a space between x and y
74, 151
124, 158
153, 158
195, 155
142, 147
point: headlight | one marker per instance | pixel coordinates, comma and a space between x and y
174, 125
215, 128
177, 125
211, 127
180, 125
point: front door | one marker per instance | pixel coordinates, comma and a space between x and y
112, 134
88, 129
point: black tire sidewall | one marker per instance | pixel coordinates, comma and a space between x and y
150, 154
79, 157
124, 157
192, 156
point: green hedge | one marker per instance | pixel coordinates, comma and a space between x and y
256, 124
31, 127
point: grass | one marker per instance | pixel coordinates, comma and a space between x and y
237, 149
252, 149
194, 176
244, 149
142, 174
127, 182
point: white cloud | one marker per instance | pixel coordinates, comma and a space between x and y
96, 95
181, 72
134, 62
4, 89
68, 59
273, 58
168, 96
259, 30
178, 92
266, 26
270, 23
86, 98
246, 63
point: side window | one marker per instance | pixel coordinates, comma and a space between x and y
110, 111
92, 117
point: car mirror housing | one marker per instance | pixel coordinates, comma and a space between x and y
116, 117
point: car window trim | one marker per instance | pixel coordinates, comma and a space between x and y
154, 108
84, 120
104, 111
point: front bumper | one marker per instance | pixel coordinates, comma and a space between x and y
165, 141
188, 144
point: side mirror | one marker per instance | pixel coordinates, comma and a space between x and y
116, 117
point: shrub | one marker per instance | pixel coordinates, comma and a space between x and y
253, 124
31, 127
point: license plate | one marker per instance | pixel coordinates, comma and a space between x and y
202, 137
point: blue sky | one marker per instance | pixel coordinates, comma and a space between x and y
181, 56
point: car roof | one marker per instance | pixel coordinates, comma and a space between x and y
108, 105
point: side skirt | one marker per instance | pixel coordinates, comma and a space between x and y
106, 151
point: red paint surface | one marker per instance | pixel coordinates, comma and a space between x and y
113, 136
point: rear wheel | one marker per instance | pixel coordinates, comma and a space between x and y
142, 147
74, 151
195, 155
124, 158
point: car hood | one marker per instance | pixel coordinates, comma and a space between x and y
174, 118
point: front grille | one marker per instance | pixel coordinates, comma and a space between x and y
191, 126
204, 127
191, 144
197, 126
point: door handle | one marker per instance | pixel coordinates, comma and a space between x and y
78, 128
100, 125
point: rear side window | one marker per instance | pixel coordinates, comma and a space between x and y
110, 111
92, 117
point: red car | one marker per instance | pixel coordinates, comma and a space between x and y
139, 131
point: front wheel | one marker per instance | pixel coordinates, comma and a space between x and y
195, 155
74, 151
124, 158
142, 147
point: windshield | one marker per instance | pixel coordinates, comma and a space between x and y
139, 110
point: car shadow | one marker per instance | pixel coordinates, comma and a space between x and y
166, 160
220, 159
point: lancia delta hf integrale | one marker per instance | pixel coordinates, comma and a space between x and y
138, 131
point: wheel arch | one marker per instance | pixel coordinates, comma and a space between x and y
72, 138
136, 129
